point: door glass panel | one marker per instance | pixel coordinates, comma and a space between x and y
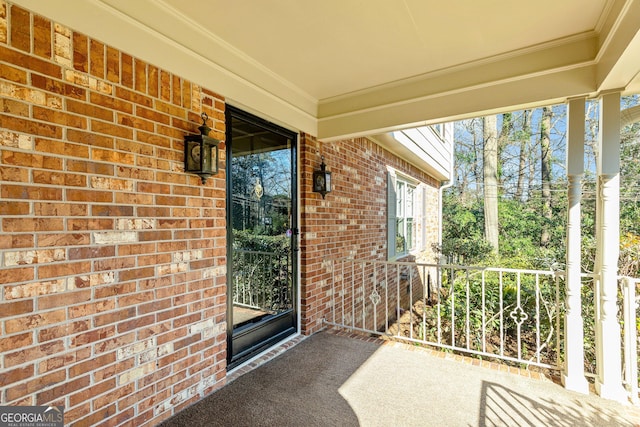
261, 220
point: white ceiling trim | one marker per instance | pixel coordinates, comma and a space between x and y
583, 64
618, 56
463, 90
578, 54
168, 22
99, 19
613, 66
606, 15
629, 116
535, 90
578, 49
610, 21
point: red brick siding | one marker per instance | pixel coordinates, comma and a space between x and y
352, 220
112, 259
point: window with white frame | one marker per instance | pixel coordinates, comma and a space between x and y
404, 214
405, 230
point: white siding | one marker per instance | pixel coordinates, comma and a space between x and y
429, 146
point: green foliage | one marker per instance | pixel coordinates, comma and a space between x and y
629, 254
519, 235
520, 228
262, 271
521, 222
462, 232
463, 302
246, 240
490, 318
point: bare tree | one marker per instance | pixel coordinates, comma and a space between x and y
524, 138
503, 141
490, 174
545, 171
468, 152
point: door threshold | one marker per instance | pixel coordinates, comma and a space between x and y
265, 356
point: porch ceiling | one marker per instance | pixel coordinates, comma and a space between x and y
340, 68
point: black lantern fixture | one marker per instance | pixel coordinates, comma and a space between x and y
322, 180
201, 152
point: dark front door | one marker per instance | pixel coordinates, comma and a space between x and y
261, 205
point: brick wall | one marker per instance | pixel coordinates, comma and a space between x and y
112, 260
352, 220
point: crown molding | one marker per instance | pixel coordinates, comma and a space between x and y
255, 87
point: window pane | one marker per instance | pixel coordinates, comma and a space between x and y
400, 199
400, 236
409, 201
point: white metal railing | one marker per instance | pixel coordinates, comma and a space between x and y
503, 313
630, 336
261, 280
627, 317
510, 314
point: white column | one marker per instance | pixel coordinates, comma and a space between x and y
608, 343
573, 377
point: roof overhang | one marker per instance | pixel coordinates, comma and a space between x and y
602, 55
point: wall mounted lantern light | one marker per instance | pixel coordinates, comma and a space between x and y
201, 152
322, 180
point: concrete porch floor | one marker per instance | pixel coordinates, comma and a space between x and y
335, 379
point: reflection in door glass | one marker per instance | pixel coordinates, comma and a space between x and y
261, 171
